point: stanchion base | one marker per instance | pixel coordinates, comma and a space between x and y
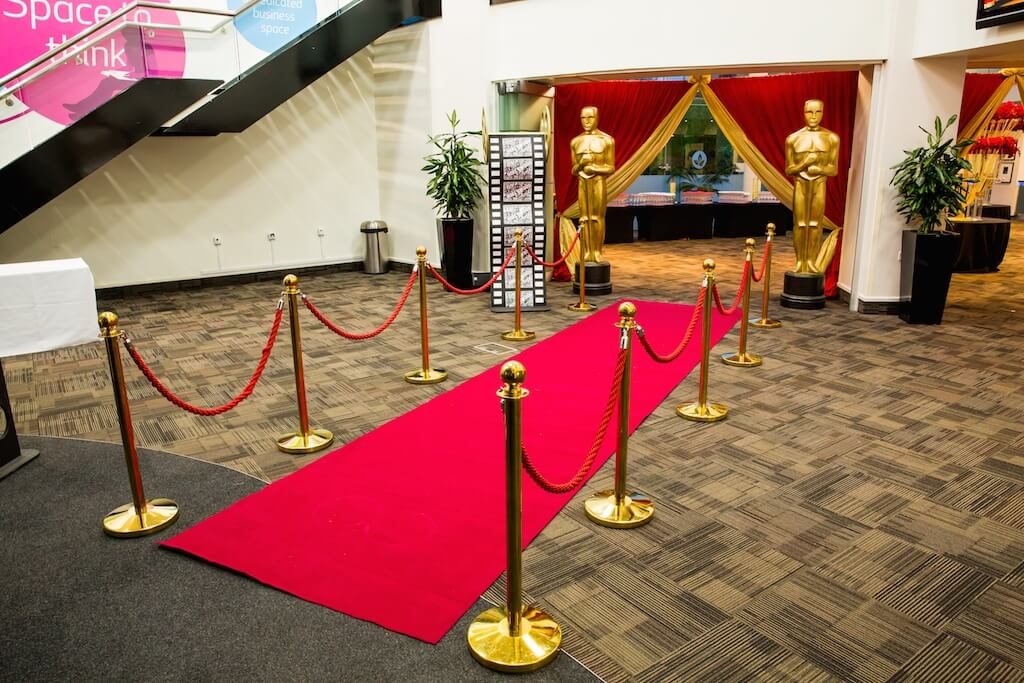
430, 376
518, 335
122, 522
293, 442
711, 412
636, 509
738, 360
765, 323
536, 645
582, 307
25, 456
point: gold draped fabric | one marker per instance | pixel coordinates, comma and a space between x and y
779, 184
628, 172
980, 121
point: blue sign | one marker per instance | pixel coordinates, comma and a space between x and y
271, 24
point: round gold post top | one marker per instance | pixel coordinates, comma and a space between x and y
291, 284
421, 252
627, 309
108, 324
771, 229
519, 233
709, 265
748, 247
513, 372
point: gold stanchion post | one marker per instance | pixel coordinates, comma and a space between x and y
141, 516
617, 508
582, 306
702, 411
512, 638
305, 440
764, 321
741, 358
426, 374
518, 333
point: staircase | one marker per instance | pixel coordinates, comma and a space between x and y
139, 100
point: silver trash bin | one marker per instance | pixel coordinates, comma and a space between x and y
375, 262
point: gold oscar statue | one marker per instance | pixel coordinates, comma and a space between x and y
811, 158
593, 160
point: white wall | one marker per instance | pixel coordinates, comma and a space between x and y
539, 38
150, 214
943, 27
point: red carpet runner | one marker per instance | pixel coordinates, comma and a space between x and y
405, 526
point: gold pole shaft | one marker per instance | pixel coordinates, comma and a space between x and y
294, 293
421, 262
583, 270
519, 283
514, 506
112, 337
705, 354
622, 448
766, 287
745, 321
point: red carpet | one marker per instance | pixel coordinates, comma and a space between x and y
405, 526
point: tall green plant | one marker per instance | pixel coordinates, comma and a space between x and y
455, 183
928, 180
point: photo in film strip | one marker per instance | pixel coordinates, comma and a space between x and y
516, 177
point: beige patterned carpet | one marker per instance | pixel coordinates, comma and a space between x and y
859, 516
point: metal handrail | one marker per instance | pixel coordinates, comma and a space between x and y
70, 44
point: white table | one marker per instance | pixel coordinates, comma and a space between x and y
44, 305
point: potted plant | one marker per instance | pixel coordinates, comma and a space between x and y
455, 186
930, 186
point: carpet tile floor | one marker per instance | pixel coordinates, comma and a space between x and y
858, 517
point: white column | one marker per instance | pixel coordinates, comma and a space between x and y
906, 93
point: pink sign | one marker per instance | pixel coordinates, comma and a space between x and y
88, 78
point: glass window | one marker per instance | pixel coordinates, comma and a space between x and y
697, 148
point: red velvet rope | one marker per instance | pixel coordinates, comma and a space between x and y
198, 410
359, 336
482, 288
686, 338
764, 262
553, 264
602, 430
739, 294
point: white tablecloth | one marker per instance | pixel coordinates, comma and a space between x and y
46, 305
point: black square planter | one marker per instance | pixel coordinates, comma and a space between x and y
926, 267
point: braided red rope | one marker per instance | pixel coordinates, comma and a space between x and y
482, 288
198, 410
686, 337
359, 336
602, 430
739, 294
553, 264
764, 262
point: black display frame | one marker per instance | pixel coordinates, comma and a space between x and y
997, 16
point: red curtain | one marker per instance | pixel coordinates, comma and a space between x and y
629, 111
769, 108
977, 89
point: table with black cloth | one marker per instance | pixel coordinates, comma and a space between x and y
996, 211
982, 243
695, 221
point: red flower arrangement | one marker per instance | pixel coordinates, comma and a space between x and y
1009, 110
1002, 145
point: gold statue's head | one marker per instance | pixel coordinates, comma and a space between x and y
812, 113
588, 117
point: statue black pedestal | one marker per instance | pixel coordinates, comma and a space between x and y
11, 455
599, 279
803, 290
